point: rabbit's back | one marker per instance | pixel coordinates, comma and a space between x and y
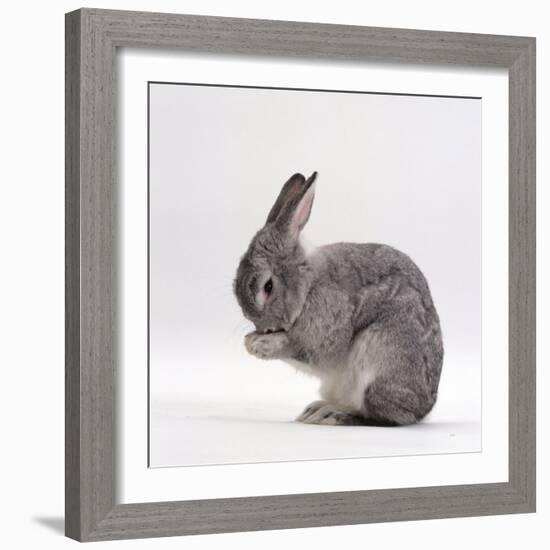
354, 266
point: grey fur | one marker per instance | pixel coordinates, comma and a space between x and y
360, 317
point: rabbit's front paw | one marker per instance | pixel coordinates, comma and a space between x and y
266, 346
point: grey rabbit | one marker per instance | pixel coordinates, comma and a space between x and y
360, 317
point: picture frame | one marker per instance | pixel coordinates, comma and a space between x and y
92, 39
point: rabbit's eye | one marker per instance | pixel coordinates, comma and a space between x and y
268, 287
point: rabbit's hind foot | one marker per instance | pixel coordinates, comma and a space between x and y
321, 412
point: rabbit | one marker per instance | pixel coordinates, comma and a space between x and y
359, 317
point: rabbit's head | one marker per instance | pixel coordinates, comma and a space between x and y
273, 277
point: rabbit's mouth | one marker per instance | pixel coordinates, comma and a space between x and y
273, 330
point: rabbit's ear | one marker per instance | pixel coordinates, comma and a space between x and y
294, 212
290, 188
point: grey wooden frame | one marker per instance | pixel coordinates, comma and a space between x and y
92, 39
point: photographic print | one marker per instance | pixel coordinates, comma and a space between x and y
300, 275
314, 274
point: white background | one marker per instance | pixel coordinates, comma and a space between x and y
32, 237
402, 170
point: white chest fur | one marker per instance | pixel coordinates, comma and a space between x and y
343, 385
345, 388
